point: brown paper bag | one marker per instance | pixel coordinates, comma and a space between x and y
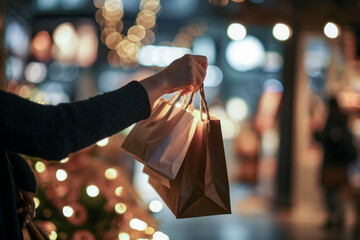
149, 141
156, 176
201, 187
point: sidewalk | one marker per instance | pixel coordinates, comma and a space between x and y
251, 220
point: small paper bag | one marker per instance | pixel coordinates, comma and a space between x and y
155, 141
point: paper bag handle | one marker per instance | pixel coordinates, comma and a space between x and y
203, 103
177, 98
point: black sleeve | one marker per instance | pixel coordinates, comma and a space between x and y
52, 132
24, 177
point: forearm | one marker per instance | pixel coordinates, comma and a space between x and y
52, 132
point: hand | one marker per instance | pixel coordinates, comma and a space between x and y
186, 73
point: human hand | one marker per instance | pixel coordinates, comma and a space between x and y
186, 73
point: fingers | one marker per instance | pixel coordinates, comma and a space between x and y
199, 78
202, 60
200, 71
186, 74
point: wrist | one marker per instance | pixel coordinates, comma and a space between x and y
154, 87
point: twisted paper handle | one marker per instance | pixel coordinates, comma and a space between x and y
203, 103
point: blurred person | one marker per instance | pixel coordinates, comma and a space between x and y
246, 150
52, 132
339, 150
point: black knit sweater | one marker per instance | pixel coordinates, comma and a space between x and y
52, 132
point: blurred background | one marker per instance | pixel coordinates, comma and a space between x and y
273, 64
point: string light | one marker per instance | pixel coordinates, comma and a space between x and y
124, 236
109, 16
111, 173
65, 160
92, 191
53, 235
118, 191
138, 224
120, 208
40, 167
61, 175
150, 230
125, 214
103, 142
68, 211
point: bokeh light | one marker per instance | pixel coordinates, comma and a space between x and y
103, 142
160, 56
61, 175
40, 167
111, 173
156, 206
41, 46
237, 109
150, 230
53, 235
120, 208
35, 72
160, 236
236, 31
17, 38
92, 191
124, 236
66, 42
37, 202
332, 30
65, 160
15, 68
246, 54
214, 76
119, 191
282, 32
88, 46
68, 211
138, 224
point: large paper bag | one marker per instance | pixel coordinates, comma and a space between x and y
201, 187
155, 141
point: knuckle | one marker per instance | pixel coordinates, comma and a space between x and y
188, 57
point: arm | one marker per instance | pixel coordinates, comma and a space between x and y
52, 132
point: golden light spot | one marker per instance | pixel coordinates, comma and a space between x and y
111, 173
40, 167
120, 208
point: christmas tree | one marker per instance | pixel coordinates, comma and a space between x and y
89, 195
